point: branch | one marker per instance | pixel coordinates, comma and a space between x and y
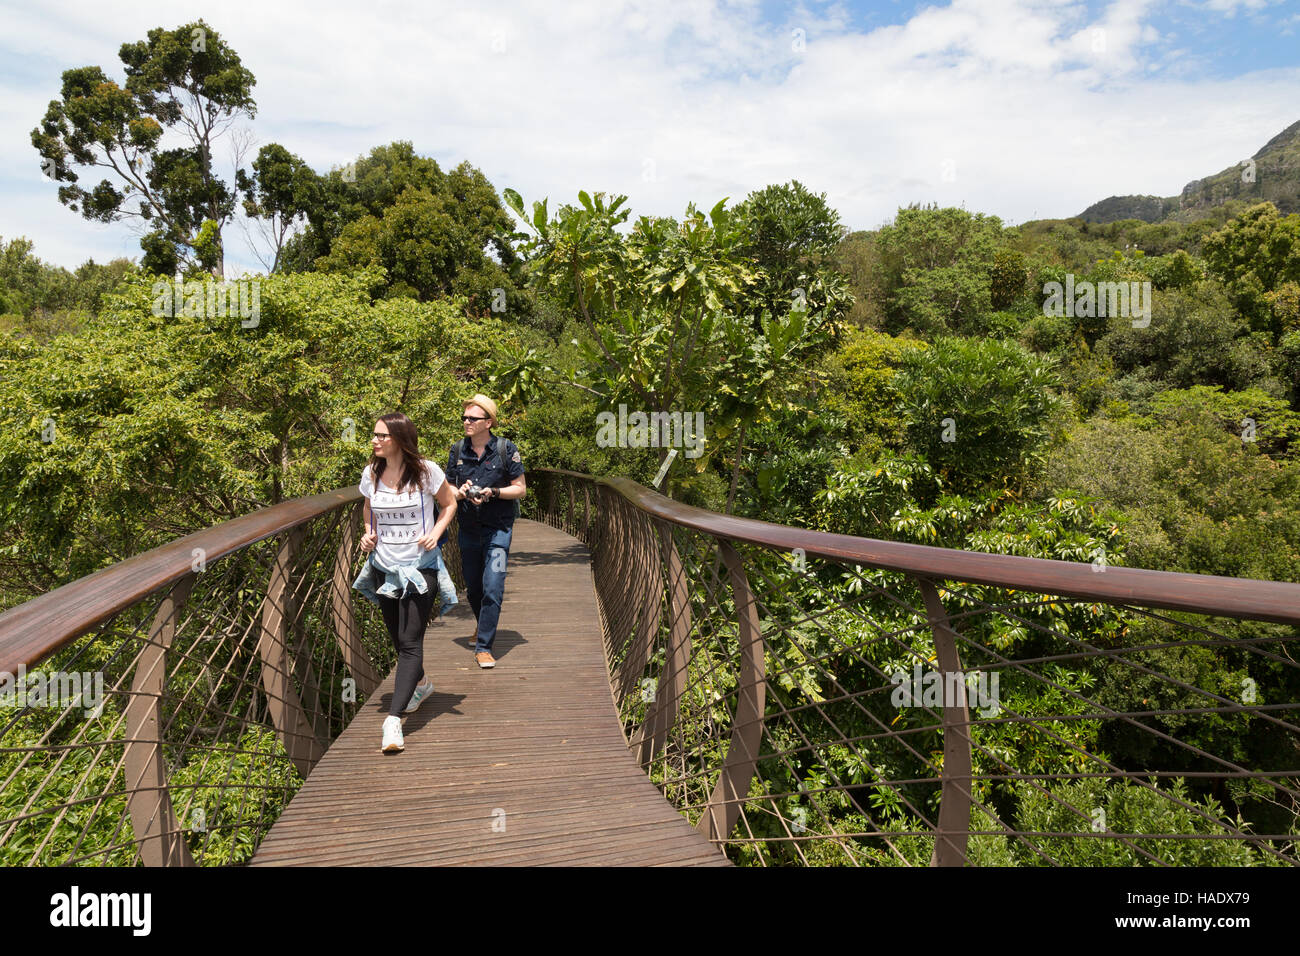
586, 389
677, 322
735, 471
690, 343
582, 306
139, 183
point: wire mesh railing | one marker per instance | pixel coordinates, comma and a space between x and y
818, 699
164, 711
802, 698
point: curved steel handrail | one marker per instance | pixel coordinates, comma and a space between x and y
1176, 591
704, 766
33, 630
36, 629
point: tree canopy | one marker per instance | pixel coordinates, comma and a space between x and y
186, 82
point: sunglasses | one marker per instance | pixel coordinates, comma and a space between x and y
471, 418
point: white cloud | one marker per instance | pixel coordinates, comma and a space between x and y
1018, 108
1230, 7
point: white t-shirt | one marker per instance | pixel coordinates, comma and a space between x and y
401, 518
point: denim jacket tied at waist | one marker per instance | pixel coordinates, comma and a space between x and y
396, 580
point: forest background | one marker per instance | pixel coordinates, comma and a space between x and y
907, 382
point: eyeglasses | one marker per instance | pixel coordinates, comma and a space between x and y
471, 418
380, 436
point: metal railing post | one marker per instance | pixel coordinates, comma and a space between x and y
723, 809
153, 818
953, 832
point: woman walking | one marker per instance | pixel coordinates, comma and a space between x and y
401, 575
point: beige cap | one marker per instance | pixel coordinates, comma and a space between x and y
483, 402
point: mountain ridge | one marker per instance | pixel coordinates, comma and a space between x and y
1272, 174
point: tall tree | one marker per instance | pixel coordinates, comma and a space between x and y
935, 268
186, 81
1255, 256
282, 191
667, 308
435, 233
793, 236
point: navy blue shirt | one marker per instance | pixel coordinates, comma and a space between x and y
498, 467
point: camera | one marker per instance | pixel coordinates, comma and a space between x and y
476, 491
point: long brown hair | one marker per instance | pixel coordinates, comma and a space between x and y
412, 471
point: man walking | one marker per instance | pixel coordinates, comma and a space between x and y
490, 466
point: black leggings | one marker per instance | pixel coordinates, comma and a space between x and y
407, 618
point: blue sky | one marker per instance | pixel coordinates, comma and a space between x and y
1018, 108
1223, 39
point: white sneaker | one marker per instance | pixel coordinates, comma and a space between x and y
419, 696
393, 741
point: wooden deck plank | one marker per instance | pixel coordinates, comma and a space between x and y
524, 764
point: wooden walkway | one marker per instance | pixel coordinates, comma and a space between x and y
524, 764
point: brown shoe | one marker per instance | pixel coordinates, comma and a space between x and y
485, 659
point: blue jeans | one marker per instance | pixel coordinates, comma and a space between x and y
483, 555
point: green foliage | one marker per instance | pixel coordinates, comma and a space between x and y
1194, 338
792, 235
1285, 303
1250, 415
1253, 256
1196, 683
1288, 361
224, 821
858, 260
983, 413
904, 499
1175, 271
429, 230
863, 497
164, 424
1128, 808
664, 313
1008, 280
1088, 375
860, 388
185, 79
69, 775
1196, 496
789, 460
281, 190
42, 301
935, 267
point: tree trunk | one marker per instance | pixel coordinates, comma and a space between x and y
735, 471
